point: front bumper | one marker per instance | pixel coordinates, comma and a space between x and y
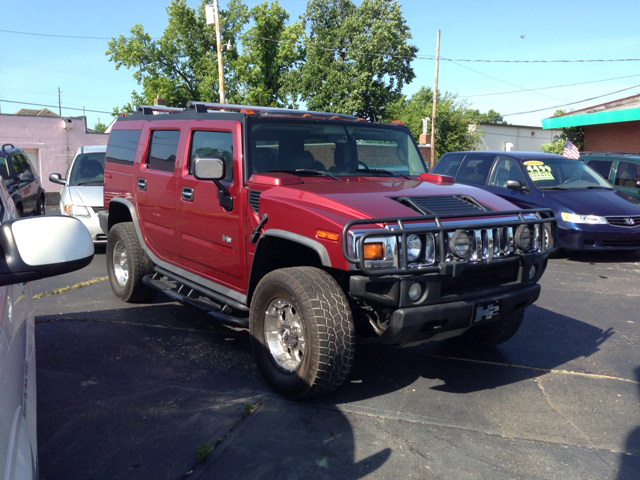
597, 237
93, 225
435, 322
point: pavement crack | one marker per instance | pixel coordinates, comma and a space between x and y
553, 407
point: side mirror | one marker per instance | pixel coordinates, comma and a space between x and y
638, 184
209, 168
56, 178
24, 256
213, 168
515, 185
27, 177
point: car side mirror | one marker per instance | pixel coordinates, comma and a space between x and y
24, 257
638, 184
27, 177
56, 178
515, 185
213, 168
209, 168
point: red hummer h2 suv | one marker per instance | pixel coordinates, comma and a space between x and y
312, 230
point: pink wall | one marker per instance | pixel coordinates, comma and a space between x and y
55, 145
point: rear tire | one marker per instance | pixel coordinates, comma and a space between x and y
302, 332
40, 210
491, 334
127, 263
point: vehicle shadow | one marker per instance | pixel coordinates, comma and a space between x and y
599, 257
630, 462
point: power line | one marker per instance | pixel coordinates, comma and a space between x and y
417, 57
547, 88
572, 103
56, 106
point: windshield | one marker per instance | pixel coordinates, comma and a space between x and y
88, 169
331, 148
563, 174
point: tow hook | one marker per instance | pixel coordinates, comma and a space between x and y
255, 235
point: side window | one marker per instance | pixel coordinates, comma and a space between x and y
627, 174
213, 144
449, 164
475, 169
5, 173
163, 150
24, 164
506, 169
603, 167
15, 163
122, 146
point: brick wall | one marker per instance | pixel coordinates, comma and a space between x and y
54, 145
613, 137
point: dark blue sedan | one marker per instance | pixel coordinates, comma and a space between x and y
591, 213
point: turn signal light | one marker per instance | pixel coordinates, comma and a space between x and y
328, 235
374, 251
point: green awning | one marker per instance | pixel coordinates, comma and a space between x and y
597, 118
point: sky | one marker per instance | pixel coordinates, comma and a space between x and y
554, 43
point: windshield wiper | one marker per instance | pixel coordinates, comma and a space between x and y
381, 170
87, 183
599, 186
307, 171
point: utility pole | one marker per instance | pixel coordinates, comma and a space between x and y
432, 162
212, 13
59, 103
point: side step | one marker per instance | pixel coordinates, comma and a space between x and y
189, 296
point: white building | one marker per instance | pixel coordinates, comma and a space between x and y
505, 138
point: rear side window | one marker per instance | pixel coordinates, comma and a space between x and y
213, 144
449, 164
603, 167
475, 169
163, 150
627, 174
122, 146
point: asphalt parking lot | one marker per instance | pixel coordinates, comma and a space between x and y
131, 391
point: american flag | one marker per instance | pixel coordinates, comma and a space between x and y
570, 150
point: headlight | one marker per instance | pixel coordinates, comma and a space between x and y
524, 237
460, 243
77, 211
414, 247
575, 218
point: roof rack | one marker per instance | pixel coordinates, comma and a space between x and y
7, 144
157, 109
203, 107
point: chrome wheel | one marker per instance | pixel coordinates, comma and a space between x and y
284, 333
120, 263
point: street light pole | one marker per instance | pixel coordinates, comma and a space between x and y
212, 13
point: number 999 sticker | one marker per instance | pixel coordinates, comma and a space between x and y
539, 171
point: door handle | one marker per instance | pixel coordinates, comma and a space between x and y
142, 184
187, 194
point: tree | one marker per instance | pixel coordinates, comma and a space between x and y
264, 66
574, 134
357, 58
182, 64
490, 117
452, 119
99, 127
556, 146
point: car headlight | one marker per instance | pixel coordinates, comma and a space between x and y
524, 237
77, 210
460, 243
575, 218
414, 247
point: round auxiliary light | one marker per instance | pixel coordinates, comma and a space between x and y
415, 291
460, 243
414, 247
532, 272
524, 237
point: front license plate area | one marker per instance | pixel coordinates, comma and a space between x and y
486, 312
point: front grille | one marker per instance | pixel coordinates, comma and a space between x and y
443, 205
621, 243
631, 221
254, 200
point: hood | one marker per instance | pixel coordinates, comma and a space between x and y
89, 196
367, 198
591, 202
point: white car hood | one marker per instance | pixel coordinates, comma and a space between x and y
89, 196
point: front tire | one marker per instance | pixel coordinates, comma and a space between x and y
302, 332
127, 263
491, 334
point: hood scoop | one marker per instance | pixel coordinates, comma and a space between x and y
442, 205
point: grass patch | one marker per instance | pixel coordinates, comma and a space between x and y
70, 287
249, 408
203, 451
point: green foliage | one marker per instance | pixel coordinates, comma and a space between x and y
248, 409
203, 451
99, 127
490, 117
556, 146
574, 134
452, 119
357, 58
